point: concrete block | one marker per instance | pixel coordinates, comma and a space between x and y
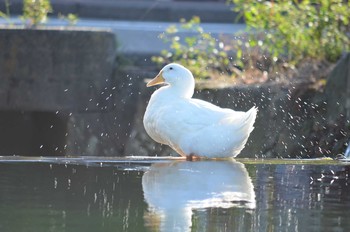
52, 69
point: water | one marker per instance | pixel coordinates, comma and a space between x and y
173, 195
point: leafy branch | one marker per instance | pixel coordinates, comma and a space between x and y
201, 52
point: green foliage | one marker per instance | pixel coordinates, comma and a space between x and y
200, 52
6, 15
295, 30
36, 11
71, 18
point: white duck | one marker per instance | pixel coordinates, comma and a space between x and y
193, 127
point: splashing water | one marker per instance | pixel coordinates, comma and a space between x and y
347, 151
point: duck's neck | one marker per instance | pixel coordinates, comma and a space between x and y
172, 92
183, 89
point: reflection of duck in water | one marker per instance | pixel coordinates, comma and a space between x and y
173, 190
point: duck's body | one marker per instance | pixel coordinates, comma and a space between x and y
192, 126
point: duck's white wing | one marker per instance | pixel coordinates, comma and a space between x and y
191, 115
208, 113
187, 117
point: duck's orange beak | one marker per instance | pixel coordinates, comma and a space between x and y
159, 79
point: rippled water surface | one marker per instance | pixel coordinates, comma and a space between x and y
173, 195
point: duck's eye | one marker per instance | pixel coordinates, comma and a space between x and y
171, 68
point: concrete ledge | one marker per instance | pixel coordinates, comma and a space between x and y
53, 69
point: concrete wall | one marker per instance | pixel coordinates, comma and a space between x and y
50, 70
48, 78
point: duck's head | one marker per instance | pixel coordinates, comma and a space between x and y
176, 76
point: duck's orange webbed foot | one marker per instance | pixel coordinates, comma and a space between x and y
192, 157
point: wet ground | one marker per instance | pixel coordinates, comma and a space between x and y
161, 194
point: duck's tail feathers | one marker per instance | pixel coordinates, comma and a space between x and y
250, 119
244, 131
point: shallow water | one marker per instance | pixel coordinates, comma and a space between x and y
173, 195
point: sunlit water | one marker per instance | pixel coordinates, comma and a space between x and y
168, 195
